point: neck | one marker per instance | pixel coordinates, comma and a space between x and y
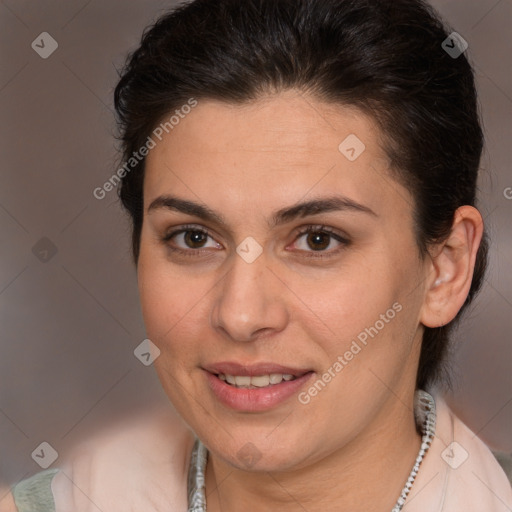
371, 470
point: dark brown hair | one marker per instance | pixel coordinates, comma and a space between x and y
384, 57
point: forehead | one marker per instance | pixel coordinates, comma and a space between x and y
279, 148
281, 122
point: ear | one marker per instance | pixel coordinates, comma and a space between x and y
451, 268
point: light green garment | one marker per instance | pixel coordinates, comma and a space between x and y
35, 493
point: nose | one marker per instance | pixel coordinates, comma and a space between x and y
249, 301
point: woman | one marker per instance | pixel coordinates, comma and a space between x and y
301, 178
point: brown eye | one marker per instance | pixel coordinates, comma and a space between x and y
195, 239
318, 241
190, 239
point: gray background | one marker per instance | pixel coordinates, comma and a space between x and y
70, 324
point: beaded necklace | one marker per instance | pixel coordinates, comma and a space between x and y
424, 413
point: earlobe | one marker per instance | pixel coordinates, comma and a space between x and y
451, 268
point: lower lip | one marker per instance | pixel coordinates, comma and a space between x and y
255, 399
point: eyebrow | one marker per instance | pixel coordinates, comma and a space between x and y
282, 216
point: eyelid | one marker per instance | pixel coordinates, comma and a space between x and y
185, 227
322, 228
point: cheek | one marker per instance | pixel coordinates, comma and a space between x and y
367, 310
171, 302
356, 297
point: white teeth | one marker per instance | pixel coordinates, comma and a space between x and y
230, 379
259, 381
243, 381
276, 378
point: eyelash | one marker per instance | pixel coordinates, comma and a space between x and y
320, 229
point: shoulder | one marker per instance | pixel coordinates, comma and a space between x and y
460, 472
30, 494
140, 464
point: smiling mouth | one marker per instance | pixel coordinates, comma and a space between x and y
255, 388
257, 381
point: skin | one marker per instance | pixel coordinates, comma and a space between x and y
6, 501
291, 306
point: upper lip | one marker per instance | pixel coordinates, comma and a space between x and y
252, 370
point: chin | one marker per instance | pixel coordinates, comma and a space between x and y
258, 452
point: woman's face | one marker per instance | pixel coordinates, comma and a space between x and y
242, 290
